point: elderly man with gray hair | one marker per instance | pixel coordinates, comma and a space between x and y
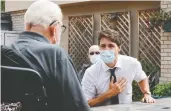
39, 45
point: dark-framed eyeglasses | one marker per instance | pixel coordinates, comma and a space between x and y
92, 53
63, 27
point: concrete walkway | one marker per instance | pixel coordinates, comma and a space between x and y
163, 104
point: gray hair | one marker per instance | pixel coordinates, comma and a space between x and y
43, 12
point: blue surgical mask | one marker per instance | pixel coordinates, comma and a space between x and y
108, 56
95, 58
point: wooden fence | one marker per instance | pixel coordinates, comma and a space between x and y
123, 27
80, 38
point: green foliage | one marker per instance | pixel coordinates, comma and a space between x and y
159, 18
2, 5
162, 90
137, 94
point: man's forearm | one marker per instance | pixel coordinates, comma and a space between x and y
144, 85
100, 99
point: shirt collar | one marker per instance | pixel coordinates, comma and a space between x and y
33, 35
118, 64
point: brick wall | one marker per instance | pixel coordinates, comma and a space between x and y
18, 20
165, 49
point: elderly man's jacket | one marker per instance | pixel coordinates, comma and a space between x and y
63, 87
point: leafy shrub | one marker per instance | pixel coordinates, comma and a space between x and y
2, 5
137, 94
162, 90
160, 17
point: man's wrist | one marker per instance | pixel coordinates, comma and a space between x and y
147, 93
110, 94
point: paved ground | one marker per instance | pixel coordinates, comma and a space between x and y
163, 104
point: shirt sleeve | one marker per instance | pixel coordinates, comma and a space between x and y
88, 86
139, 73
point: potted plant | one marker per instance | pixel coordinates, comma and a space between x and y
163, 19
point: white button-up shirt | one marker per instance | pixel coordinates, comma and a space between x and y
97, 78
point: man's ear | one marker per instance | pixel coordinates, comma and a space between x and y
52, 32
28, 26
120, 47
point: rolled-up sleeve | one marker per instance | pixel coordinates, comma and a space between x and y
88, 86
139, 73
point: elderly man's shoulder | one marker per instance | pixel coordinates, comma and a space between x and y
54, 50
53, 47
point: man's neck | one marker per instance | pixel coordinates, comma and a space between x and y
113, 64
37, 29
40, 30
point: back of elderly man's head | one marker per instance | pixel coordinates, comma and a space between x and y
43, 12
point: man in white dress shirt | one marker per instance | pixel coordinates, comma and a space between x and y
110, 81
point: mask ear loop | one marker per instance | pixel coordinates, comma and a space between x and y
59, 34
54, 36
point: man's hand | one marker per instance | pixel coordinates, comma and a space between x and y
114, 89
117, 87
144, 86
148, 99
